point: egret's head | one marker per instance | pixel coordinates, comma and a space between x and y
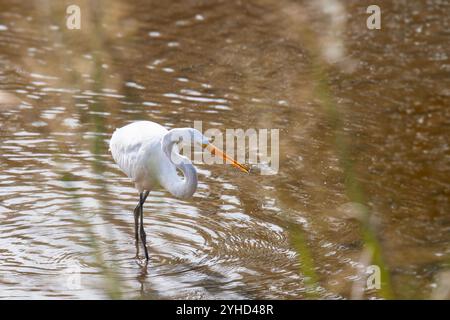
206, 144
191, 136
198, 138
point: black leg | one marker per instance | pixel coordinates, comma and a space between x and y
143, 197
137, 211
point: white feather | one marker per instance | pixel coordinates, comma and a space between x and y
137, 148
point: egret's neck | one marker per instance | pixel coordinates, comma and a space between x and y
180, 187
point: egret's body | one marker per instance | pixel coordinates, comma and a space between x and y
148, 154
137, 149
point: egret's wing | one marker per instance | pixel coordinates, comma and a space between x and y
129, 143
126, 155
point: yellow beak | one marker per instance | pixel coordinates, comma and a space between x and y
216, 151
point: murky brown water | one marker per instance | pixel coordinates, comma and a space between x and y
230, 64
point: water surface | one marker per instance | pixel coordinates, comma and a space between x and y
65, 208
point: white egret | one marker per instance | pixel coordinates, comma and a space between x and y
148, 154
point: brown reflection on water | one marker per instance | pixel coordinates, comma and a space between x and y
64, 204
